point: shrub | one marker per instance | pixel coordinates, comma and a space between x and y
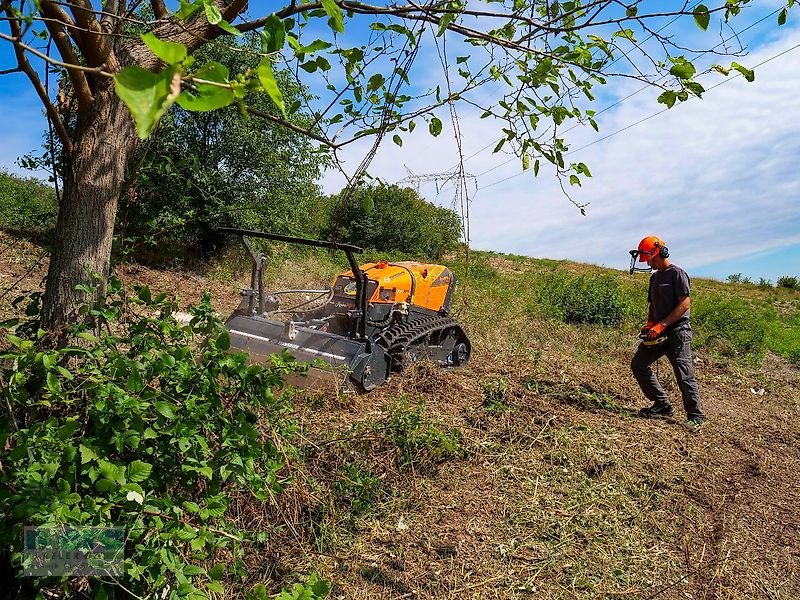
26, 204
143, 424
729, 327
584, 299
789, 282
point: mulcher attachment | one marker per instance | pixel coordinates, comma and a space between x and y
368, 327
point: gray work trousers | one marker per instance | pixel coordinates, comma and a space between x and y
678, 349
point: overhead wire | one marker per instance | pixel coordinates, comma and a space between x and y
640, 121
622, 100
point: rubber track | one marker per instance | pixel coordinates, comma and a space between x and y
397, 339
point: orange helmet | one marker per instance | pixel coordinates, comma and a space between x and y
649, 248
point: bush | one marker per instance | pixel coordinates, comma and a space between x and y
26, 204
729, 327
584, 299
395, 219
144, 424
788, 282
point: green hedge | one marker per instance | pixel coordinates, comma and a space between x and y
583, 299
729, 327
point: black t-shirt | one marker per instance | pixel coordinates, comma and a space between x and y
666, 288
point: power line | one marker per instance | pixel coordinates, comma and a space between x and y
627, 127
618, 102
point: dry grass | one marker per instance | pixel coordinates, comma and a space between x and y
558, 492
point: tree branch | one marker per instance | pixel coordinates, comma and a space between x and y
96, 48
24, 65
79, 82
159, 9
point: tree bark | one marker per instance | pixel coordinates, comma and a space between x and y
104, 142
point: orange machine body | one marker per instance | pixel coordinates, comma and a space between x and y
423, 285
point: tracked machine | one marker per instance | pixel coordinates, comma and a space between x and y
373, 320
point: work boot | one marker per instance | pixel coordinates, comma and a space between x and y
656, 411
694, 424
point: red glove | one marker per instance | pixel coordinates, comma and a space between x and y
646, 328
655, 331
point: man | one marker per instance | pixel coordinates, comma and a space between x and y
667, 333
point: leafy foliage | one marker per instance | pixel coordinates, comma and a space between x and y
729, 326
395, 219
789, 282
144, 424
26, 204
582, 299
211, 168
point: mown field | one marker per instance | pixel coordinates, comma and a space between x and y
525, 474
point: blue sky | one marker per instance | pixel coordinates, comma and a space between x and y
717, 177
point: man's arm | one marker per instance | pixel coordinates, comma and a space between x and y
684, 303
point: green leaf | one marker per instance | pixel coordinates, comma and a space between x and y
782, 17
526, 162
147, 95
701, 16
166, 408
367, 204
746, 73
667, 97
208, 96
171, 53
139, 471
269, 84
695, 88
397, 139
631, 11
67, 429
135, 382
213, 13
435, 126
574, 180
228, 28
536, 168
334, 11
53, 384
682, 69
87, 454
224, 340
217, 572
188, 9
375, 82
444, 22
273, 35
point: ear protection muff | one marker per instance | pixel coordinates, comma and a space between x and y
663, 251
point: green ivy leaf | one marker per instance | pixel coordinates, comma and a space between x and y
208, 96
270, 85
334, 11
139, 471
701, 16
171, 53
147, 95
695, 88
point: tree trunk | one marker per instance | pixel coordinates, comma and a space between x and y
104, 142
